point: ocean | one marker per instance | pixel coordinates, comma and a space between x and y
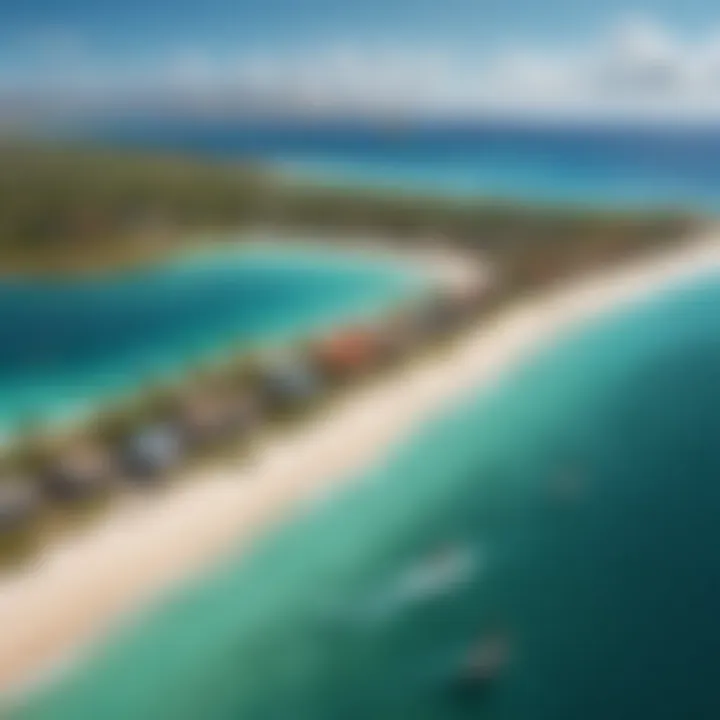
574, 506
618, 166
70, 346
571, 510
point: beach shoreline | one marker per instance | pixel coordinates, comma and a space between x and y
116, 387
87, 586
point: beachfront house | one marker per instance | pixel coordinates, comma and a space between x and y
20, 500
152, 450
209, 418
397, 337
202, 419
436, 316
346, 353
77, 472
244, 411
287, 381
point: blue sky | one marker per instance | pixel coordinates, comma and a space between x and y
325, 51
136, 24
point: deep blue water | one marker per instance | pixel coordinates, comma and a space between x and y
606, 166
68, 346
585, 489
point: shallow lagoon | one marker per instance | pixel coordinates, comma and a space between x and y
68, 345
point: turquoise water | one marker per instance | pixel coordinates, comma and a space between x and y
584, 488
605, 166
69, 345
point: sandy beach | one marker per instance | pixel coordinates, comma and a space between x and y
145, 546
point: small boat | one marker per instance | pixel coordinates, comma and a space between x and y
488, 658
483, 665
435, 576
440, 572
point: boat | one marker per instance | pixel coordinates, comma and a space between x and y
435, 576
483, 665
439, 572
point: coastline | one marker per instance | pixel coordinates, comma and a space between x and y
114, 385
151, 543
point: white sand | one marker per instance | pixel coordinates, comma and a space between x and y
84, 586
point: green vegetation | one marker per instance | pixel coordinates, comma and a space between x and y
72, 209
69, 209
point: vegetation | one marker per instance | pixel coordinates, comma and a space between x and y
75, 209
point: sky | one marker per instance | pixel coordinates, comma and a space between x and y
658, 58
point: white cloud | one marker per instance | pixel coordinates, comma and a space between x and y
637, 39
637, 68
